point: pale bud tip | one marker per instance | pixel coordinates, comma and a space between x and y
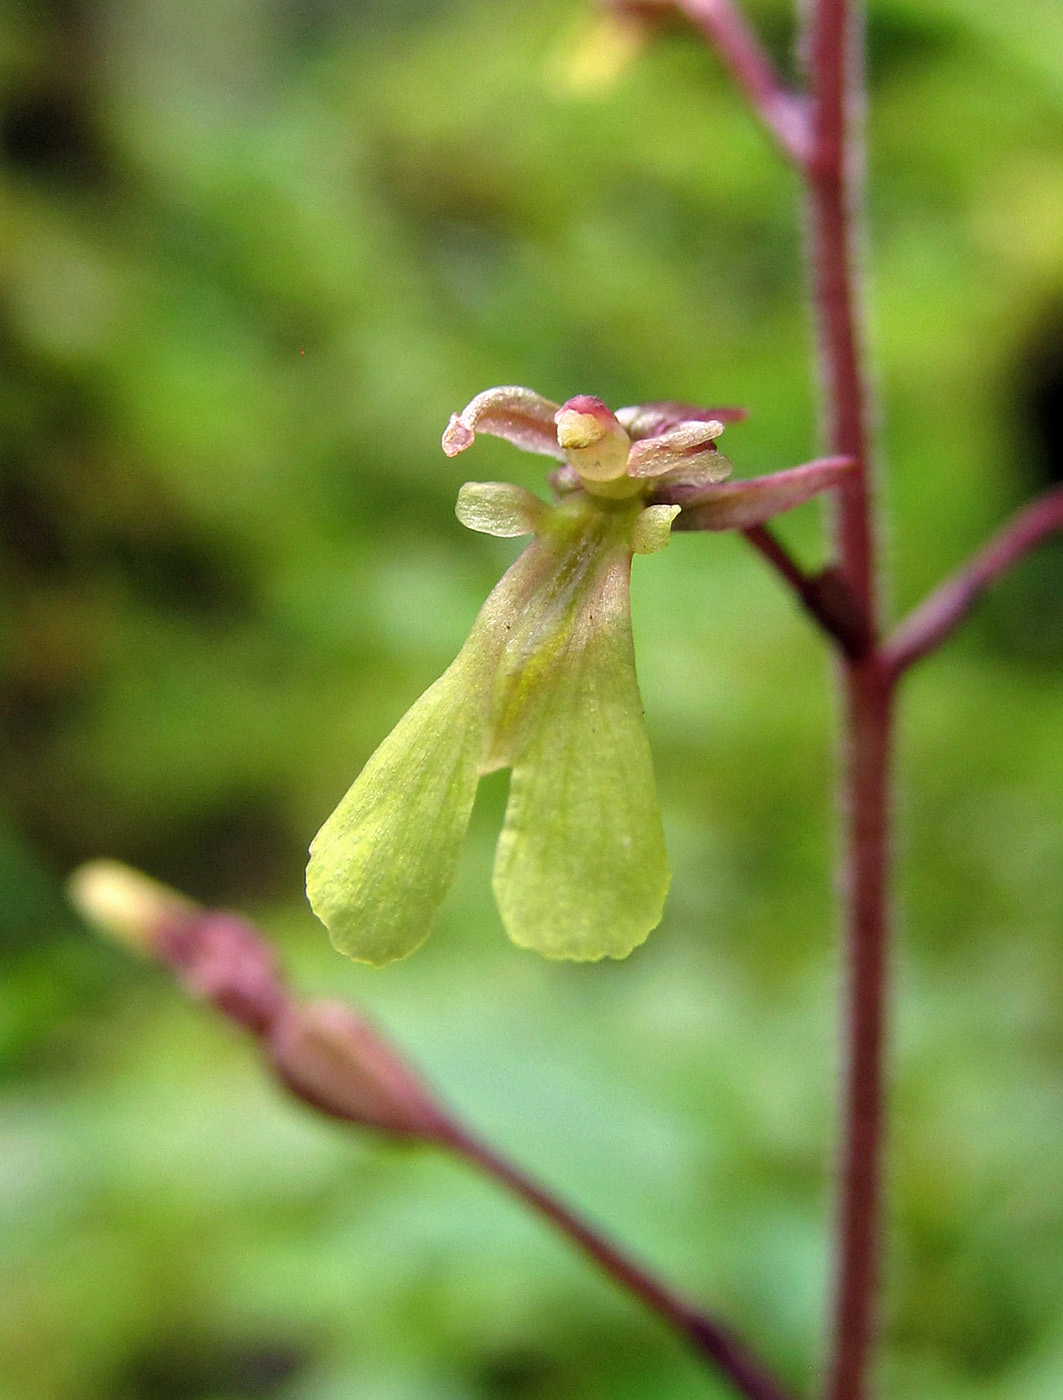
123, 904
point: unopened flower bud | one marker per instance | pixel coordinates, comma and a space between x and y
125, 905
218, 957
337, 1063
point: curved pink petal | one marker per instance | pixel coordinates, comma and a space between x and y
645, 420
521, 416
689, 445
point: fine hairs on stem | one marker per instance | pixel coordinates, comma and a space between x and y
821, 135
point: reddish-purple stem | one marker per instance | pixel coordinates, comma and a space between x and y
829, 162
824, 145
831, 197
782, 111
783, 562
865, 893
834, 58
938, 616
824, 595
337, 1063
709, 1338
827, 148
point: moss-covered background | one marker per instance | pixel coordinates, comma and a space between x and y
252, 254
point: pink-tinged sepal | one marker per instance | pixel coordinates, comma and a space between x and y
686, 454
520, 416
738, 505
644, 420
704, 469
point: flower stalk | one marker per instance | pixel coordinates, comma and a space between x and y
338, 1064
823, 136
938, 616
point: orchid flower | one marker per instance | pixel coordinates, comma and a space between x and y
545, 685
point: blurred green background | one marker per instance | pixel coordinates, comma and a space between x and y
252, 254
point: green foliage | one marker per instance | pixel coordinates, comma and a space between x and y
252, 257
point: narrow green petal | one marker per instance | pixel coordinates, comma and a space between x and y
382, 863
581, 869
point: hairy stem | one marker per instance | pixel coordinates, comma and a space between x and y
824, 595
782, 111
938, 616
832, 194
829, 153
708, 1337
828, 149
334, 1060
867, 735
835, 64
